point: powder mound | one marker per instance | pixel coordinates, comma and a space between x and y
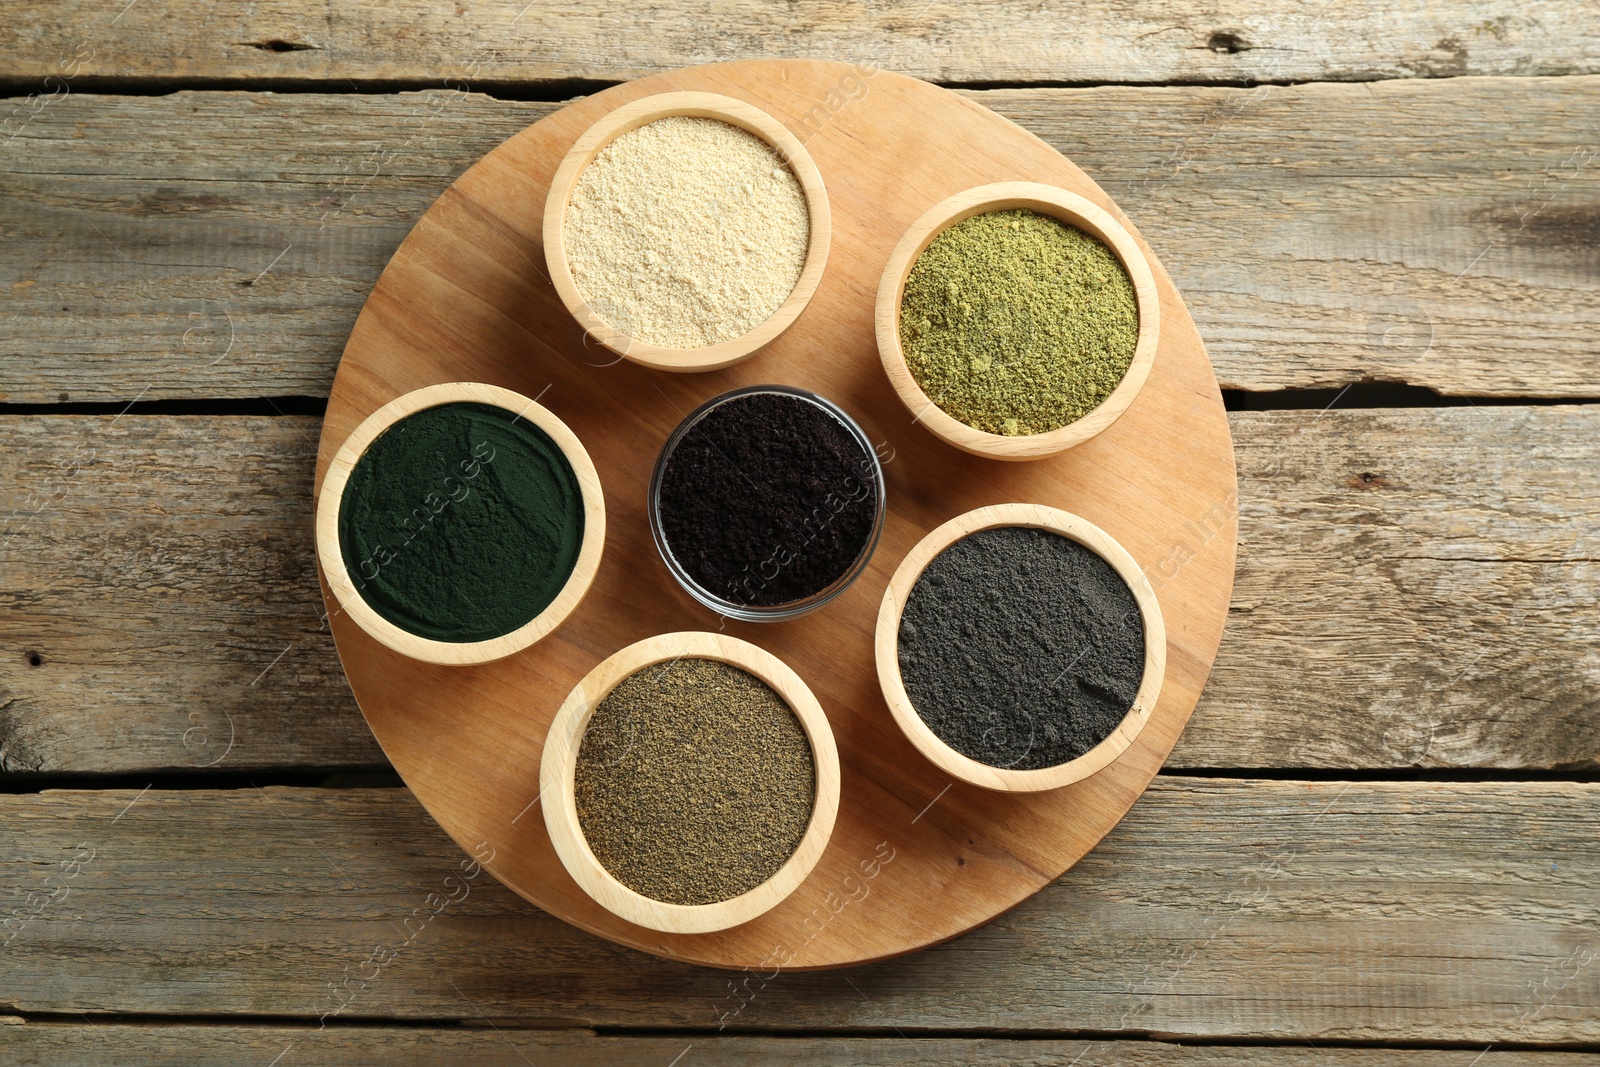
695, 782
461, 522
1021, 648
687, 232
1015, 323
769, 499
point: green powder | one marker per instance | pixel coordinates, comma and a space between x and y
1016, 323
461, 522
695, 782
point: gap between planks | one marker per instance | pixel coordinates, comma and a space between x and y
211, 1039
1377, 667
1321, 234
1007, 42
1217, 910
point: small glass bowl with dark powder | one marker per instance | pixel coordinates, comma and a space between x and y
1020, 648
766, 502
694, 782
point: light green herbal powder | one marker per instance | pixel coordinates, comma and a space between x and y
1016, 323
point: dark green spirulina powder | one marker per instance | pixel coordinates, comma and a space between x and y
694, 782
461, 522
1016, 323
1021, 648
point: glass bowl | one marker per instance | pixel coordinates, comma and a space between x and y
743, 611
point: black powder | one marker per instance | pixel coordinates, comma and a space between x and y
769, 499
1021, 648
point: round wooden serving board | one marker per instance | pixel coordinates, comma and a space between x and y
914, 859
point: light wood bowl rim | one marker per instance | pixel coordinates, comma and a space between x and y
642, 112
558, 765
886, 648
1069, 207
459, 653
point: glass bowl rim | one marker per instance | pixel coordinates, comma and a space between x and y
794, 608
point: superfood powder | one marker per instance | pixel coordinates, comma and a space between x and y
1016, 323
686, 232
461, 522
768, 499
1021, 648
694, 782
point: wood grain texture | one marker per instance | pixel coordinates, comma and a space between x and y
1285, 910
466, 296
161, 572
220, 244
1105, 41
48, 1044
169, 586
1446, 630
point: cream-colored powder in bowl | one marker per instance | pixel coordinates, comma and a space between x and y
686, 232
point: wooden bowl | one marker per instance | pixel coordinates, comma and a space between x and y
1070, 208
926, 741
458, 653
641, 112
559, 763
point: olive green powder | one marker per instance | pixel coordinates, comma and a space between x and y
1016, 323
694, 782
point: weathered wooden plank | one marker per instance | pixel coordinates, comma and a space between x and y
46, 1044
159, 599
1218, 909
1107, 41
1441, 234
220, 244
1409, 592
1415, 587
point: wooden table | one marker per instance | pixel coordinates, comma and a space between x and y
1377, 842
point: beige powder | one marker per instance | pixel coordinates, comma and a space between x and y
686, 232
